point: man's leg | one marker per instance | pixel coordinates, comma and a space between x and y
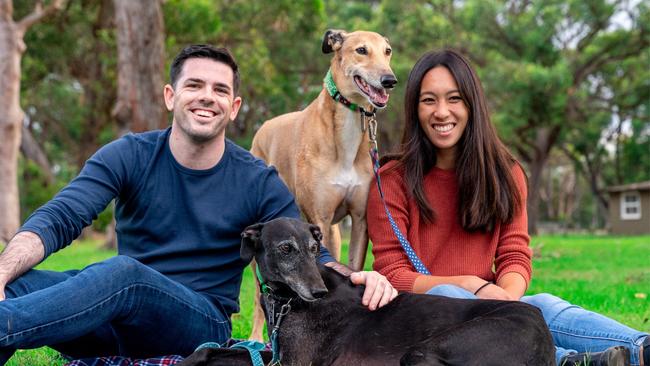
148, 314
575, 328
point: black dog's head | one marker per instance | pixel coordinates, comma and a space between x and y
285, 250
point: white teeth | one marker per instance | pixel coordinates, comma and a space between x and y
203, 113
443, 128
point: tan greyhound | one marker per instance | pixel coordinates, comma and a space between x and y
321, 152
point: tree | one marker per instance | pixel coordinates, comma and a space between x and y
141, 63
539, 60
12, 48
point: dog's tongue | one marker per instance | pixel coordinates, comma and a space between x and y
378, 96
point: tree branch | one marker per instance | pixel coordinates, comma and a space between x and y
39, 13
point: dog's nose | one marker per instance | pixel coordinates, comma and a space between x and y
319, 293
388, 81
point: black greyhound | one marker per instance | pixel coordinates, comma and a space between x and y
326, 324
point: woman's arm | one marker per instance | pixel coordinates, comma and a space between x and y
425, 282
510, 287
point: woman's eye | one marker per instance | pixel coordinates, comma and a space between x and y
362, 51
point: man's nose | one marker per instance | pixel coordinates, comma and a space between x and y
207, 95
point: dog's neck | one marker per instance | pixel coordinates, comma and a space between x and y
300, 333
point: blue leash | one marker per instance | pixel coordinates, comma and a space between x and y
253, 348
374, 155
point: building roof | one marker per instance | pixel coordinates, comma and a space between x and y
638, 186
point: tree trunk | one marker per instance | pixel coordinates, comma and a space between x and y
12, 48
31, 149
545, 138
141, 62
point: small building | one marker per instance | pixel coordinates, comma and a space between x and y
629, 208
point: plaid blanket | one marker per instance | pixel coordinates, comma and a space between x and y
125, 361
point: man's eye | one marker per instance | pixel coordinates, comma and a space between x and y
362, 51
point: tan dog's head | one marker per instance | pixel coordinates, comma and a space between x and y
361, 66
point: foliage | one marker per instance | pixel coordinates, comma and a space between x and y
574, 73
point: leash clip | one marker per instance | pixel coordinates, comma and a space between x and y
372, 132
286, 308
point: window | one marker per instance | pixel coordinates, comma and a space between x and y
630, 206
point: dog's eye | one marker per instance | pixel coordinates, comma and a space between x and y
388, 51
362, 51
285, 248
314, 248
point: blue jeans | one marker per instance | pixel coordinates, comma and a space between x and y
115, 307
573, 328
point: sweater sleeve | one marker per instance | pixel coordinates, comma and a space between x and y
61, 220
513, 253
390, 258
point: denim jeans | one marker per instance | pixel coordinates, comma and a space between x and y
573, 328
115, 307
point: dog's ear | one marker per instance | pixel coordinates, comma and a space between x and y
316, 233
333, 40
250, 238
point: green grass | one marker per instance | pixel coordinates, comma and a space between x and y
606, 274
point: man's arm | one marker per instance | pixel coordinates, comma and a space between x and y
21, 254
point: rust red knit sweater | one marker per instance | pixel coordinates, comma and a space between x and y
444, 247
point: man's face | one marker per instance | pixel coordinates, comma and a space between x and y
203, 100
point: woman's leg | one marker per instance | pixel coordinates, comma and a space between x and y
577, 329
451, 291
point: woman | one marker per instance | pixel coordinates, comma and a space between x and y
459, 196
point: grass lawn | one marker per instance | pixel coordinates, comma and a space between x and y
610, 275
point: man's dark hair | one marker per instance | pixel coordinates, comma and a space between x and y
219, 54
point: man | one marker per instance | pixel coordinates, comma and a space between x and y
183, 196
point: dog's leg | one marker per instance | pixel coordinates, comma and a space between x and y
257, 333
335, 241
358, 242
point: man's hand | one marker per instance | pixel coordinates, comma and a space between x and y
379, 291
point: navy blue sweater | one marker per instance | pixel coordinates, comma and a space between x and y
184, 223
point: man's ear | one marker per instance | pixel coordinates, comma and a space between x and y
316, 233
333, 40
250, 238
168, 94
236, 105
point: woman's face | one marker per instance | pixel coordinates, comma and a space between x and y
442, 112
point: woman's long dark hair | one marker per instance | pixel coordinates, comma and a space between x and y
487, 193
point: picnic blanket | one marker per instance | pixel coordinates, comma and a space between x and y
126, 361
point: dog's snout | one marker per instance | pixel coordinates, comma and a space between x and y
388, 81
